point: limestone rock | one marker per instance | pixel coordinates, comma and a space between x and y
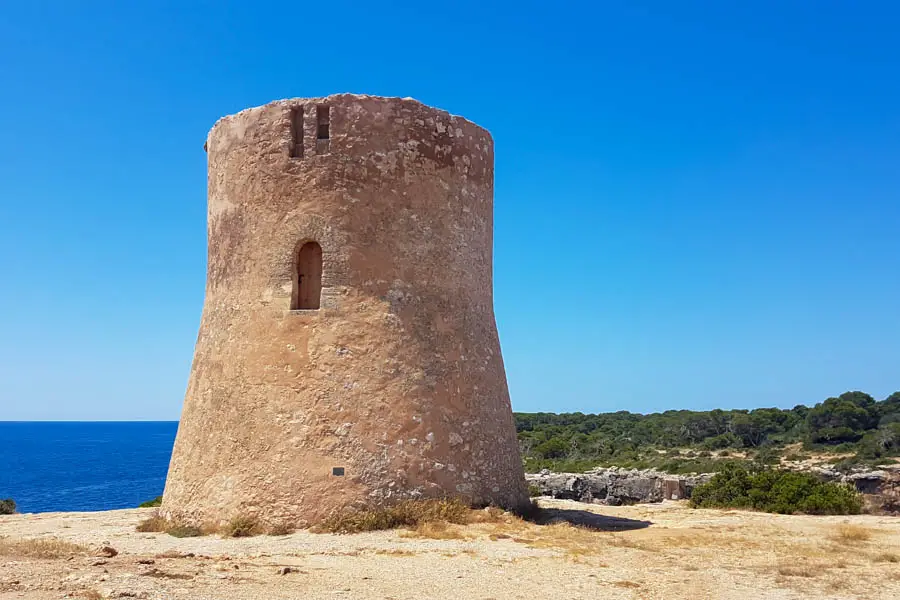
615, 486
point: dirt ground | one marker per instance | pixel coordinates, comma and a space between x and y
639, 552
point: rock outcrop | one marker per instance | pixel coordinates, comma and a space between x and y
881, 489
614, 486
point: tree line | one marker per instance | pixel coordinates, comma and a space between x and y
852, 422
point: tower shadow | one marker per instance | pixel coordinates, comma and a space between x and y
587, 519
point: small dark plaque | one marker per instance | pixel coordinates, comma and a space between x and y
337, 471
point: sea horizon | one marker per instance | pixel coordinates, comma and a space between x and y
61, 466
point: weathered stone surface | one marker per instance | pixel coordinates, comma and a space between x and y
397, 378
881, 487
616, 486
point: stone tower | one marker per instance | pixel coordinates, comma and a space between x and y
348, 354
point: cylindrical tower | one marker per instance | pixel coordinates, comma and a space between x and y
348, 353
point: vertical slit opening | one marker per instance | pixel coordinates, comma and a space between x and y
323, 120
323, 125
297, 132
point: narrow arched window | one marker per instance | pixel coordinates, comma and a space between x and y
307, 277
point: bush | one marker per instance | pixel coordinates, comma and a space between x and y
282, 528
884, 441
7, 507
725, 440
775, 491
797, 457
767, 456
184, 531
552, 448
154, 524
241, 526
151, 503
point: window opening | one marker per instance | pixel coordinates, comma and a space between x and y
307, 288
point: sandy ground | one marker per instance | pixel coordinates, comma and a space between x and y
640, 552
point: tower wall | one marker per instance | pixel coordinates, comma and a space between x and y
397, 378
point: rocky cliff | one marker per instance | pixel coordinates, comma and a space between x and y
614, 486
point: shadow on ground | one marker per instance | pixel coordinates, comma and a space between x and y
589, 520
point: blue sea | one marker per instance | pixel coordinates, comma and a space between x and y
76, 466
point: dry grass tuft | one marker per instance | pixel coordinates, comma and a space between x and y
627, 542
90, 595
165, 574
174, 554
627, 584
491, 514
888, 557
797, 571
158, 524
395, 552
154, 524
848, 533
281, 529
40, 548
409, 514
575, 541
241, 526
184, 531
435, 530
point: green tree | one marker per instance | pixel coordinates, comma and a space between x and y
553, 448
842, 419
889, 409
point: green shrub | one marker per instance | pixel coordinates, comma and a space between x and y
776, 491
767, 456
7, 507
553, 448
534, 490
725, 440
534, 465
797, 457
882, 442
667, 463
151, 503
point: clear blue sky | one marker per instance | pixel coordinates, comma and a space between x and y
714, 191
